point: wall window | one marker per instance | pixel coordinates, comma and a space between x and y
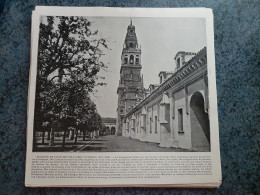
137, 60
131, 45
178, 63
150, 124
155, 124
180, 120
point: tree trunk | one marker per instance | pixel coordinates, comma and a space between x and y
64, 139
51, 143
49, 135
84, 135
43, 136
76, 136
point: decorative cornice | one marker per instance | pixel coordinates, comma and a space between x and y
131, 50
193, 65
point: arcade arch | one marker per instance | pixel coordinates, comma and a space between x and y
199, 122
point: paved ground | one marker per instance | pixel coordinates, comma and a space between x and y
110, 143
57, 147
113, 143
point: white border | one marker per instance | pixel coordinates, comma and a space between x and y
184, 181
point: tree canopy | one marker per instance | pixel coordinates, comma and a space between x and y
69, 59
68, 48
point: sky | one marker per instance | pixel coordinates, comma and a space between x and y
160, 40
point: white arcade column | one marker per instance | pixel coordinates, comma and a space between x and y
143, 125
133, 126
165, 139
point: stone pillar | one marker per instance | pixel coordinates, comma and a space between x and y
133, 118
143, 128
127, 128
206, 101
132, 128
124, 129
143, 125
165, 139
186, 99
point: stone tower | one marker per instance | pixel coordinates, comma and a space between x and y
130, 90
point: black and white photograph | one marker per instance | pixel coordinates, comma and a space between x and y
121, 84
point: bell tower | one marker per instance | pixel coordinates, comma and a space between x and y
130, 90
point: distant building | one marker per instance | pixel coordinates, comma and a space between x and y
109, 126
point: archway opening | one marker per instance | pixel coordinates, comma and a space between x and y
113, 130
107, 130
126, 60
199, 121
131, 59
